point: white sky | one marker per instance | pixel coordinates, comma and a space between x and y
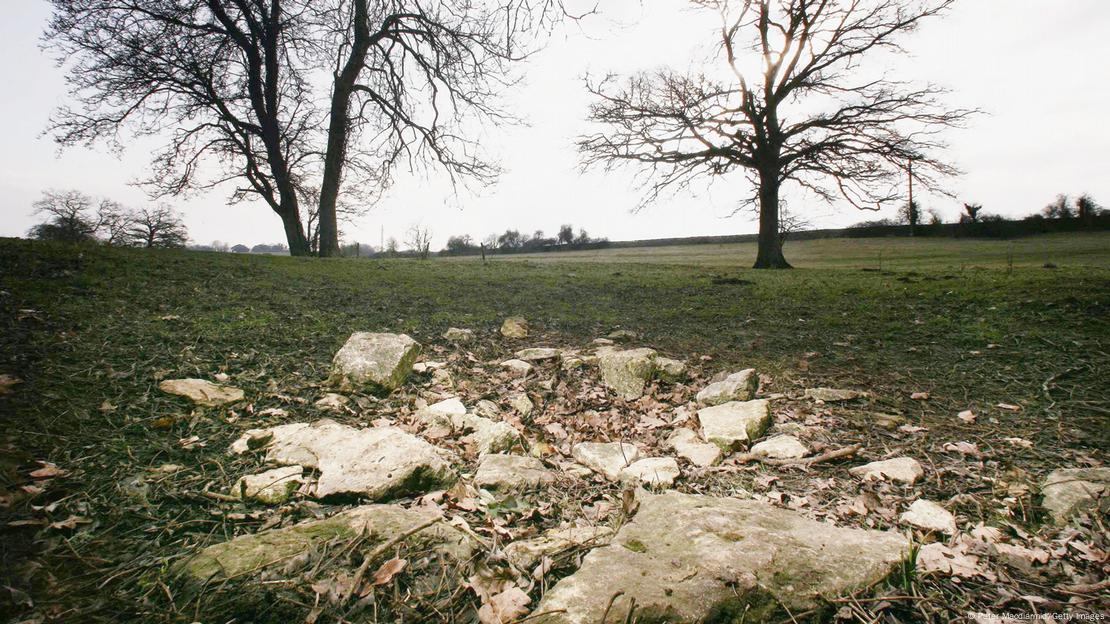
1041, 70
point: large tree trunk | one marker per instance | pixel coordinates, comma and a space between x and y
769, 255
294, 231
338, 130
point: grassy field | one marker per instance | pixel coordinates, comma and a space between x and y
90, 332
902, 254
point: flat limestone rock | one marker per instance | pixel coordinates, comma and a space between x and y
376, 463
487, 436
730, 425
627, 372
379, 362
833, 395
901, 469
512, 472
670, 370
456, 335
202, 392
525, 554
515, 327
249, 553
1068, 491
740, 386
780, 447
686, 559
537, 354
687, 445
522, 404
440, 414
517, 368
930, 516
272, 487
605, 458
652, 471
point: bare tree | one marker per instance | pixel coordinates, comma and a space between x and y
238, 82
70, 217
971, 212
159, 226
225, 75
115, 221
808, 115
419, 240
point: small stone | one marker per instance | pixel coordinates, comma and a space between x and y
1069, 491
526, 554
537, 354
833, 395
202, 392
901, 469
458, 336
514, 327
517, 368
740, 386
688, 446
652, 471
521, 403
487, 409
512, 472
441, 414
627, 372
487, 436
920, 396
378, 362
332, 402
605, 458
780, 447
272, 487
930, 516
621, 335
732, 424
602, 342
670, 370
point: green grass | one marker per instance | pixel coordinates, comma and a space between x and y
950, 254
92, 330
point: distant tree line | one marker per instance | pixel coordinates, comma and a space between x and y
513, 241
74, 217
1061, 215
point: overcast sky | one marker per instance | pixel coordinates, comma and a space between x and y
1041, 70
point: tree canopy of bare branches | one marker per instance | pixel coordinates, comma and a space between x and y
157, 226
790, 104
283, 99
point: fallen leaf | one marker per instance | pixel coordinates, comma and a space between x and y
1010, 407
191, 442
963, 448
967, 416
69, 523
920, 396
1019, 442
276, 412
388, 570
936, 558
47, 471
504, 607
6, 383
912, 429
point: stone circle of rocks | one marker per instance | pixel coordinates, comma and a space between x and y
679, 556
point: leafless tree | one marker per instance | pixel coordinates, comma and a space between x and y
114, 221
238, 83
70, 217
419, 240
157, 226
807, 114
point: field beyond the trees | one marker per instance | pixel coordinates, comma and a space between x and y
88, 333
